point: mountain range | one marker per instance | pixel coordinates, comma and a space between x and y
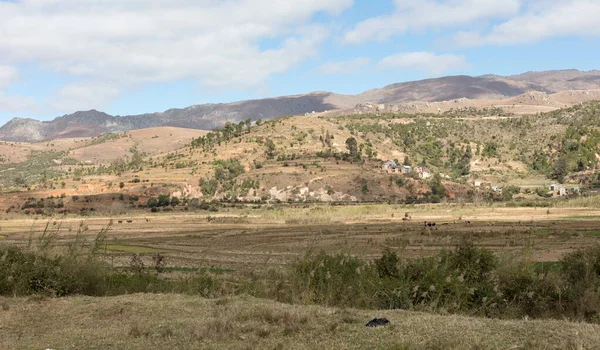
208, 116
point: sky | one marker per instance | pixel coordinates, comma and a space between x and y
139, 56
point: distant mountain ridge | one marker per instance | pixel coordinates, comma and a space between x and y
208, 116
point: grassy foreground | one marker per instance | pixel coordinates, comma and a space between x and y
170, 321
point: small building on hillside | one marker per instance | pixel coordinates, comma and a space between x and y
558, 190
562, 191
496, 188
390, 166
477, 183
423, 173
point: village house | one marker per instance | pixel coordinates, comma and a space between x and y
477, 183
562, 191
390, 166
406, 169
424, 173
558, 190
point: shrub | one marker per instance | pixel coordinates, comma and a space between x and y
387, 265
335, 280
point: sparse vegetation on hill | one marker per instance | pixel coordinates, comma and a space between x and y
219, 135
340, 158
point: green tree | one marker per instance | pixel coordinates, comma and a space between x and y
540, 162
271, 149
152, 202
560, 169
164, 200
464, 165
437, 189
352, 147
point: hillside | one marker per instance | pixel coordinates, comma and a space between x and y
322, 159
418, 96
206, 117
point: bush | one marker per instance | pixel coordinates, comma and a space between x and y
23, 273
387, 266
80, 271
334, 280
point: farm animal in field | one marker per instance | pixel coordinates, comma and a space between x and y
377, 322
120, 221
129, 221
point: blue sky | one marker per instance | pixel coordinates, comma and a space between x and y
138, 56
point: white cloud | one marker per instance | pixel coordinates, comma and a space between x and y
427, 62
127, 43
413, 15
560, 18
11, 102
8, 75
17, 103
344, 67
84, 95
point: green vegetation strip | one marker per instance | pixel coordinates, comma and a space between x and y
213, 270
545, 266
583, 217
135, 249
2, 236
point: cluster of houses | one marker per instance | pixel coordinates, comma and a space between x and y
561, 190
392, 167
557, 190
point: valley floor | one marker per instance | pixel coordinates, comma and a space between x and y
150, 321
248, 240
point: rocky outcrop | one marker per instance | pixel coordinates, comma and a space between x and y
304, 194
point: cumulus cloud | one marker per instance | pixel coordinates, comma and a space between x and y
8, 75
218, 43
17, 103
344, 67
84, 95
418, 15
558, 18
427, 62
10, 102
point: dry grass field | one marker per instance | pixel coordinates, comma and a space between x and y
242, 240
188, 322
